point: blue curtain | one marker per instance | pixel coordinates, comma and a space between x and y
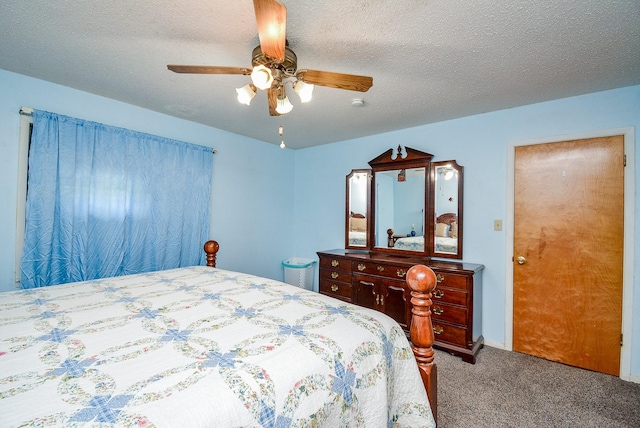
105, 201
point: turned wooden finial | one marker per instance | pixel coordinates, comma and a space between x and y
390, 241
422, 281
211, 248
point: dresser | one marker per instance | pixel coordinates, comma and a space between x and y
377, 281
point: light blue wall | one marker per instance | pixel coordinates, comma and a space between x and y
480, 144
259, 220
252, 213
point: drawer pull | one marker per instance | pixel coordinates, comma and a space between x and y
438, 294
401, 273
361, 267
380, 268
334, 288
334, 263
377, 299
437, 329
334, 275
436, 310
439, 278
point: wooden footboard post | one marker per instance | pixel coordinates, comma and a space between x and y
422, 281
211, 248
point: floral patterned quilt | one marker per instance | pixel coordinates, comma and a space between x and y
199, 346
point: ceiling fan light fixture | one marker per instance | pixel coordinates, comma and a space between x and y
304, 90
246, 93
261, 77
283, 105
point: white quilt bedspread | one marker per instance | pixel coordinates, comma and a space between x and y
196, 347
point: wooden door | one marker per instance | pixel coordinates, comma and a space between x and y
568, 227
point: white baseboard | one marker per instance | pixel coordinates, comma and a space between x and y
495, 345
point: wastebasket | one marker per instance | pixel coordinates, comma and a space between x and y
299, 272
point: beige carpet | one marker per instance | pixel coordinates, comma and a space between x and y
509, 389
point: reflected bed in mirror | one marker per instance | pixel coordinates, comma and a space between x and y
357, 229
400, 196
358, 209
446, 183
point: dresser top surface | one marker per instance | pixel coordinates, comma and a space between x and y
365, 255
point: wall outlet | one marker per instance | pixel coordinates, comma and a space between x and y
497, 225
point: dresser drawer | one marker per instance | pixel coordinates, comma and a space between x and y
388, 271
451, 314
335, 275
451, 280
449, 295
338, 290
448, 333
335, 263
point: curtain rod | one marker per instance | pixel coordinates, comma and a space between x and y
28, 111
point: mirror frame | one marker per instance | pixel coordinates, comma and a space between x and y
392, 160
432, 238
367, 214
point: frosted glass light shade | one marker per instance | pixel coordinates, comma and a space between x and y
261, 77
304, 91
246, 93
284, 106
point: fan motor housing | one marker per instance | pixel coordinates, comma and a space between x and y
288, 66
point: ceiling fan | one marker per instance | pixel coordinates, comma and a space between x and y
273, 62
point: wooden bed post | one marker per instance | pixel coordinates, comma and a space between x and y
211, 248
422, 281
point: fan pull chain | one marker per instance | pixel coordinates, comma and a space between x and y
280, 132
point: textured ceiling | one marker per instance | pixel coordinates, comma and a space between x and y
431, 60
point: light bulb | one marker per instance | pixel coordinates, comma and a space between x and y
282, 146
261, 77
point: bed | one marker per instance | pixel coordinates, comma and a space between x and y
446, 233
446, 236
357, 229
201, 346
412, 243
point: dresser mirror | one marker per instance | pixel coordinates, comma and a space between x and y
358, 206
446, 191
399, 200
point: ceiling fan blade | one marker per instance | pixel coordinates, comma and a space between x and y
273, 101
208, 69
350, 82
271, 17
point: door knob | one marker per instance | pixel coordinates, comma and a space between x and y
521, 260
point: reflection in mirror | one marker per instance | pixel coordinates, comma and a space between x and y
358, 212
447, 205
400, 202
